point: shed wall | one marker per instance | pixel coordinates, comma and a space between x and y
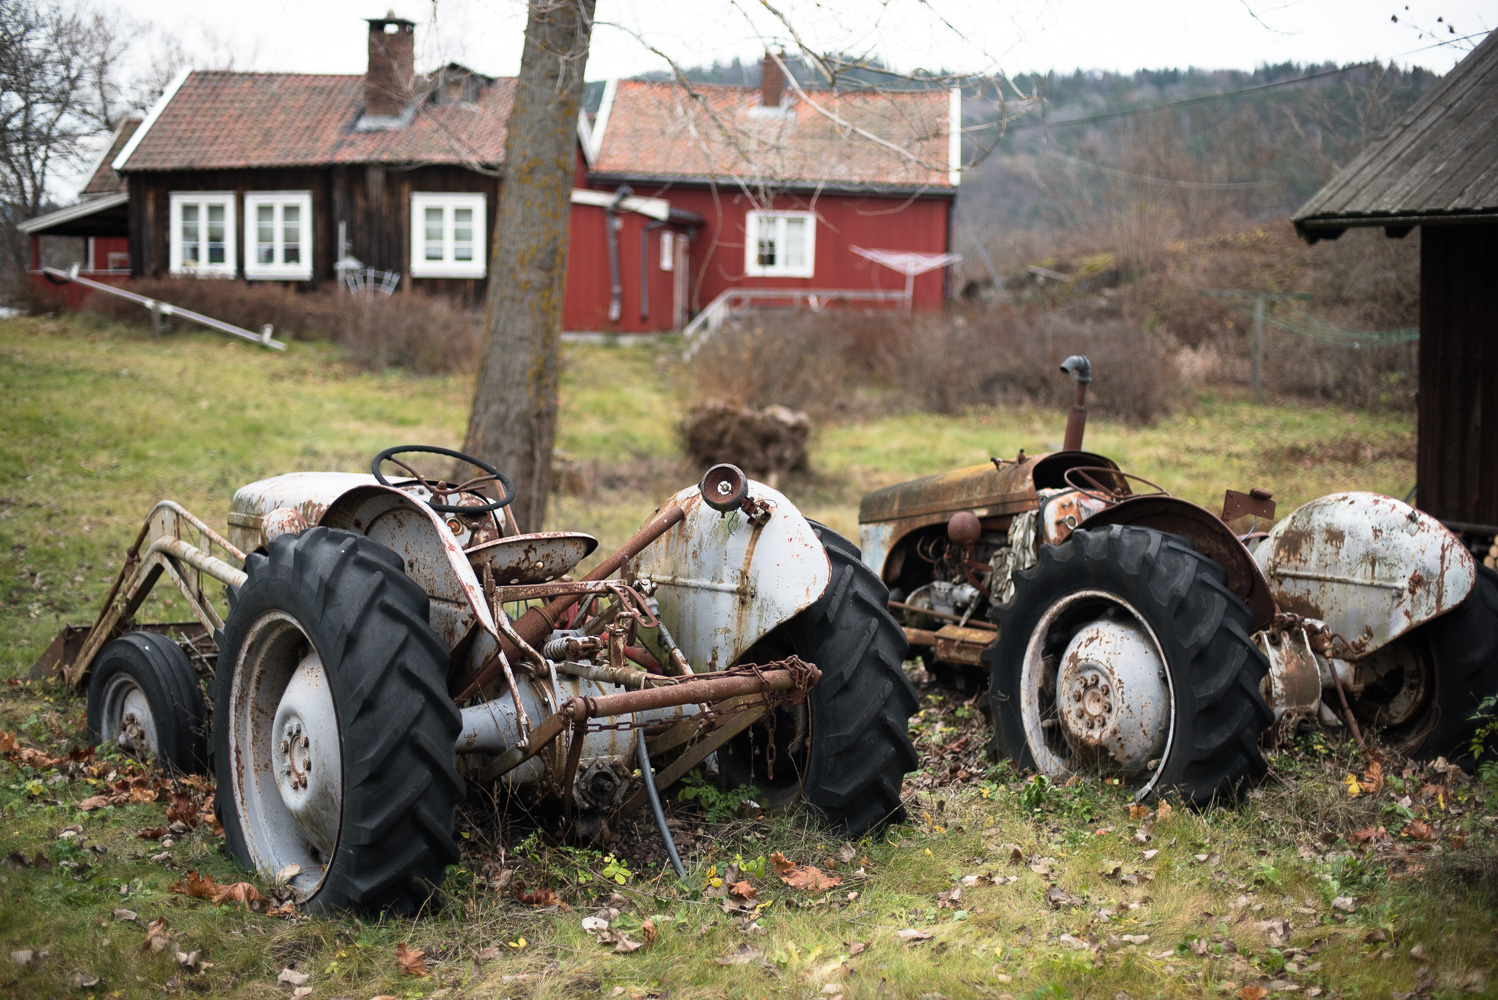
1457, 462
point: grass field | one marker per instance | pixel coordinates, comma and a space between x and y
1063, 892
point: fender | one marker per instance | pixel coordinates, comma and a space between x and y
725, 581
434, 559
1369, 566
1211, 537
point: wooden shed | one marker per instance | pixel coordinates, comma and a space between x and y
1437, 168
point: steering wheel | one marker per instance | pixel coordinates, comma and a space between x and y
1092, 483
440, 487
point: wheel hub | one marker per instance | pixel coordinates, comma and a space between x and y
306, 758
1111, 696
127, 718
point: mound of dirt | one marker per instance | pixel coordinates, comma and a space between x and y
766, 443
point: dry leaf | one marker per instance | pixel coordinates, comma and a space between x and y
1344, 903
593, 925
623, 944
156, 936
203, 887
1373, 779
7, 741
807, 877
151, 832
121, 913
1137, 811
913, 936
1164, 811
1252, 992
742, 955
1418, 829
295, 978
412, 963
84, 980
538, 897
743, 890
856, 948
648, 929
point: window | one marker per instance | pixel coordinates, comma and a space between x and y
202, 235
447, 235
278, 235
780, 244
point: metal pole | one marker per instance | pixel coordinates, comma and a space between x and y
1258, 359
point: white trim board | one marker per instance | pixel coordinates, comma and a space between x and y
78, 211
151, 116
656, 208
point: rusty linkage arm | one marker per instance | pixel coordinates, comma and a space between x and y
537, 624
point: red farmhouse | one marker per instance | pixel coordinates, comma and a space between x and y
686, 199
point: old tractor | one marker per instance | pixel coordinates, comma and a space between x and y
387, 642
1122, 631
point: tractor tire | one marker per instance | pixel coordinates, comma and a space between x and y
859, 712
1464, 647
143, 689
1137, 615
330, 638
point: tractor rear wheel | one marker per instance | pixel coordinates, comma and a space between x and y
1124, 654
1457, 656
144, 696
846, 750
334, 733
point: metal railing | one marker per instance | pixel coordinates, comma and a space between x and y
160, 310
710, 320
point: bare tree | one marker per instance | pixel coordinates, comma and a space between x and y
56, 92
515, 403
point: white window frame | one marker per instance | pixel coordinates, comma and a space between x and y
447, 267
202, 200
279, 201
756, 222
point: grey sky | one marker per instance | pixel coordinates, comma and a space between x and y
1010, 36
327, 35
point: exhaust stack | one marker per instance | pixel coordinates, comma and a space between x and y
1079, 368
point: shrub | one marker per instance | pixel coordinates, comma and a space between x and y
409, 330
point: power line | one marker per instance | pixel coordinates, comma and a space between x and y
1109, 116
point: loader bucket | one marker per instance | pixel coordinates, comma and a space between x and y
59, 652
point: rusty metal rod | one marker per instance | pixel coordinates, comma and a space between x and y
537, 623
931, 612
702, 688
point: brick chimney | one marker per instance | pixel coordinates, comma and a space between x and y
771, 83
390, 79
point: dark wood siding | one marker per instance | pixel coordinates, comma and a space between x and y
373, 201
1457, 465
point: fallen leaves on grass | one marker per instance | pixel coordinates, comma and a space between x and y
1163, 812
1276, 930
1373, 779
742, 955
151, 832
537, 897
743, 890
1418, 829
806, 877
156, 936
1372, 835
410, 962
1252, 992
914, 936
295, 978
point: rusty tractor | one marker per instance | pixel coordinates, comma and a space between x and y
1127, 632
386, 643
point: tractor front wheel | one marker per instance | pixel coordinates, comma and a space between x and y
144, 697
334, 734
1124, 654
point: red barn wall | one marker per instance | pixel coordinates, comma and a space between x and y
586, 307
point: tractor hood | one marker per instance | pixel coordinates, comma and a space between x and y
998, 487
309, 493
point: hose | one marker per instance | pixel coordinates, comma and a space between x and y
655, 804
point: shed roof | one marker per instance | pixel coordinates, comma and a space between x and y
222, 120
1439, 163
828, 139
103, 179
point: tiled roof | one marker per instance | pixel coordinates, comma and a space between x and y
224, 120
104, 179
1438, 160
715, 132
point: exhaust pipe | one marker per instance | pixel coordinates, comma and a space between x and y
1079, 368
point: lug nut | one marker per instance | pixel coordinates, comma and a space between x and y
1076, 696
1105, 689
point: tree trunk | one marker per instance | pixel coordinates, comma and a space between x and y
513, 425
